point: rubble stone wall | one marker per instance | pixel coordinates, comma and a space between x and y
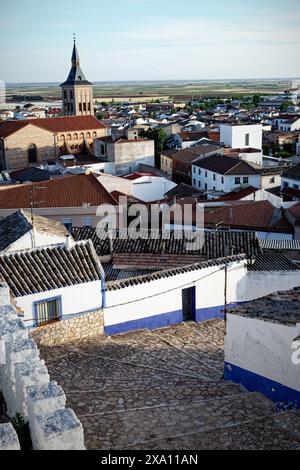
84, 326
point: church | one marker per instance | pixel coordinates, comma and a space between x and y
35, 141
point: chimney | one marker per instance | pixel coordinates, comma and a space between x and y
68, 243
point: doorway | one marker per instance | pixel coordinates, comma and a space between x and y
189, 304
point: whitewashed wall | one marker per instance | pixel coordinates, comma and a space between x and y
164, 296
159, 303
234, 136
40, 239
75, 300
263, 348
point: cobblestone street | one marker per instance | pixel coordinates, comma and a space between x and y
163, 389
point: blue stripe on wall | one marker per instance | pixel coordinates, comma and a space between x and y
163, 320
280, 394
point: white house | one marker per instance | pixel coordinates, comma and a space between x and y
149, 187
19, 231
241, 135
288, 123
291, 178
262, 347
54, 283
193, 293
222, 173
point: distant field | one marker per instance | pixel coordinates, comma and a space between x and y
171, 89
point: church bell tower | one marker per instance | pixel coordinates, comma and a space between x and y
77, 92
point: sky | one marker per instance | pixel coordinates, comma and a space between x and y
122, 40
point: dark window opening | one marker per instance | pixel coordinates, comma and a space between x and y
48, 311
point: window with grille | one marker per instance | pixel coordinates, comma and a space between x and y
48, 311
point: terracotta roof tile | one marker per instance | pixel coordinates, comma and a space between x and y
70, 191
54, 125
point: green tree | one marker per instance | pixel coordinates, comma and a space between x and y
284, 106
256, 99
159, 136
100, 116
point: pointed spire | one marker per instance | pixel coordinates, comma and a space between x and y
75, 55
76, 75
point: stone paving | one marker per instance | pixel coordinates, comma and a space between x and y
163, 389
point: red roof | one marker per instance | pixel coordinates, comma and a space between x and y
135, 176
193, 136
54, 125
295, 210
260, 215
71, 191
237, 195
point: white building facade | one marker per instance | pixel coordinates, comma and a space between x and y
241, 136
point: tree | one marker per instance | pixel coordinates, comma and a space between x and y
256, 99
159, 136
284, 106
100, 116
27, 105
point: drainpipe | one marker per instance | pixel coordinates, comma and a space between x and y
103, 289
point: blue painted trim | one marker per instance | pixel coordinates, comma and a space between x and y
39, 302
149, 323
282, 395
209, 313
163, 320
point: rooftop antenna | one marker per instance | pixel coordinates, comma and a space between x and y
33, 203
74, 37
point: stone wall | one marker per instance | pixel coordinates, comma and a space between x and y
28, 390
88, 325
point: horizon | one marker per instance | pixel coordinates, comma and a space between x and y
143, 40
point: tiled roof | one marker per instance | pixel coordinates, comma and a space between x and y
225, 165
273, 261
286, 245
137, 175
41, 270
70, 191
31, 174
183, 190
295, 210
250, 215
215, 243
121, 284
291, 192
19, 223
115, 274
190, 154
237, 195
193, 136
54, 125
281, 307
292, 173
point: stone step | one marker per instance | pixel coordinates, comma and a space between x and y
261, 434
120, 399
122, 429
155, 345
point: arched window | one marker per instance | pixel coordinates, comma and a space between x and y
88, 135
62, 137
32, 153
69, 137
75, 136
94, 134
81, 136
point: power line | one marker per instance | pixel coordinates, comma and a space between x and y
167, 291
